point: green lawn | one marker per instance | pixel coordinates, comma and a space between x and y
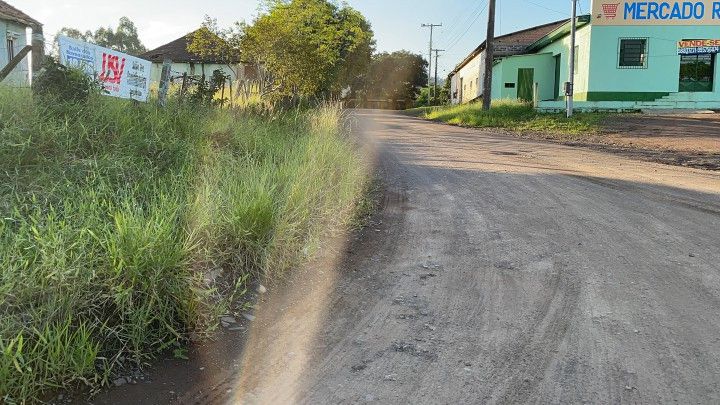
513, 116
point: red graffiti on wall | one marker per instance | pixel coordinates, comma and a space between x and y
112, 68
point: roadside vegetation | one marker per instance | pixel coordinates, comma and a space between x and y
514, 116
125, 228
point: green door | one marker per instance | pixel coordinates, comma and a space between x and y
526, 79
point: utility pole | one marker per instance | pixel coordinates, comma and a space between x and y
431, 26
436, 65
569, 91
487, 80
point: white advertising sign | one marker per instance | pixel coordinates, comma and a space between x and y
122, 75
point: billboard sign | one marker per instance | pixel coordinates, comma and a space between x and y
121, 75
699, 47
634, 12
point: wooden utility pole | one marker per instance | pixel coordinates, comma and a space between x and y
436, 65
487, 79
431, 26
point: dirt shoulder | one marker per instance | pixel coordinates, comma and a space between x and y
691, 140
686, 140
682, 139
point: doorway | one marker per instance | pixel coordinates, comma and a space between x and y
526, 78
696, 73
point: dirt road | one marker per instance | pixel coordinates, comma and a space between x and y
498, 270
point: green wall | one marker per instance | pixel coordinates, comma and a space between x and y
562, 47
507, 72
663, 65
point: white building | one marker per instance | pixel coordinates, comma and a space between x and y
186, 62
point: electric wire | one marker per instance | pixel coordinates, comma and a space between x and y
456, 41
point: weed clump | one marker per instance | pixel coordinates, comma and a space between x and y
116, 217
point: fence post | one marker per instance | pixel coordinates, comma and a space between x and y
184, 85
536, 94
164, 82
231, 98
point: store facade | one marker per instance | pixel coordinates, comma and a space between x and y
629, 54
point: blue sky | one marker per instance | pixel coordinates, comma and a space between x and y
396, 22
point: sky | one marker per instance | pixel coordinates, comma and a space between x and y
396, 23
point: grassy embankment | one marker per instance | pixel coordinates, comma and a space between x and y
124, 228
514, 116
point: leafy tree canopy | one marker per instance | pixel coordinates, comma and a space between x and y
123, 39
309, 47
398, 75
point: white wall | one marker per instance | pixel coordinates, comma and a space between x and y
178, 69
470, 77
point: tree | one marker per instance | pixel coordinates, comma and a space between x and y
399, 76
123, 39
307, 47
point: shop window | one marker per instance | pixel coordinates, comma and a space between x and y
633, 53
696, 72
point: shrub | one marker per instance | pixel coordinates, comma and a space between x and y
60, 83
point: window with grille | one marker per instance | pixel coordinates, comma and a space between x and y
633, 53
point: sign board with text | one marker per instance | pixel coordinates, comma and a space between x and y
121, 75
699, 47
634, 12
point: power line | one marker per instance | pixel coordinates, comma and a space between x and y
431, 26
546, 8
474, 15
468, 28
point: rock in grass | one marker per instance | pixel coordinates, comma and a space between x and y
249, 317
119, 381
261, 289
227, 319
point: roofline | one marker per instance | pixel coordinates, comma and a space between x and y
481, 47
561, 32
29, 21
146, 55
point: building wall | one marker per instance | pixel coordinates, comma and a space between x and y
583, 42
178, 69
471, 78
19, 75
660, 78
506, 72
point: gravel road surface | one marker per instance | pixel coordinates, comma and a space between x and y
497, 270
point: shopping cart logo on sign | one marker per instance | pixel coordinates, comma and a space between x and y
610, 10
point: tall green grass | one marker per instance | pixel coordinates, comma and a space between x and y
514, 115
124, 228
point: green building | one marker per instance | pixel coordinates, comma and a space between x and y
629, 55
